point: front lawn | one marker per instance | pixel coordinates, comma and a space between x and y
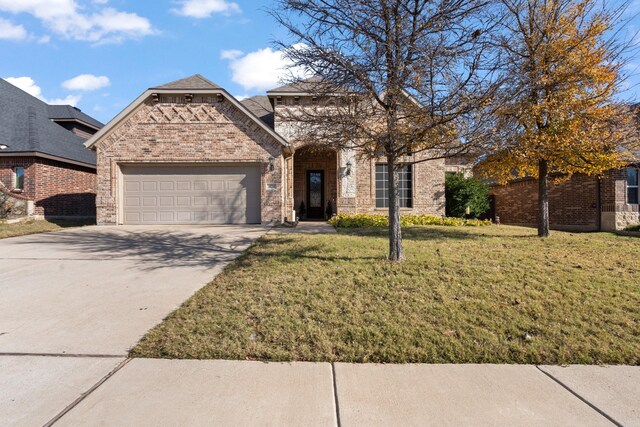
34, 227
493, 294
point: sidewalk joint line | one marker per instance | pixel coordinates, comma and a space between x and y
86, 393
103, 356
335, 393
584, 400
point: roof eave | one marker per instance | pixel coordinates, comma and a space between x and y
46, 156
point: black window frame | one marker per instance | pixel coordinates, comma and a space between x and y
633, 190
405, 185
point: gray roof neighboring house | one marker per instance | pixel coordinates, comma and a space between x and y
27, 128
67, 112
261, 107
310, 84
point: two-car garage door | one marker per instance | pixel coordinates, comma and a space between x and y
191, 194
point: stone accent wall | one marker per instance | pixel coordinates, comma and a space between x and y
616, 212
14, 206
209, 130
58, 189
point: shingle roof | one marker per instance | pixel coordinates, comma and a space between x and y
261, 107
193, 82
67, 112
26, 126
302, 86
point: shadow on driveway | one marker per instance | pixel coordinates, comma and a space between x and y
154, 247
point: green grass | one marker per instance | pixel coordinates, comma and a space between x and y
34, 227
464, 295
634, 227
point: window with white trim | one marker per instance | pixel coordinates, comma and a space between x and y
18, 178
405, 186
632, 186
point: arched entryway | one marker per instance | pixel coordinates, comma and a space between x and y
315, 182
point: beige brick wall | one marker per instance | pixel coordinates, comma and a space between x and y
205, 131
428, 186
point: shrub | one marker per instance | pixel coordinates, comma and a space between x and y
409, 220
465, 193
633, 227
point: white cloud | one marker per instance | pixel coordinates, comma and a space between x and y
67, 19
86, 82
68, 100
206, 8
259, 70
231, 54
9, 31
28, 85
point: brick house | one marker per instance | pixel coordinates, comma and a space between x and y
189, 152
580, 203
42, 155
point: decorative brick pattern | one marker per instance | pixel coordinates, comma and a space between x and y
172, 131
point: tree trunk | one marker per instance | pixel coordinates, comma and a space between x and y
395, 231
543, 198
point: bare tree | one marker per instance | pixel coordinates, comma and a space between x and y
405, 80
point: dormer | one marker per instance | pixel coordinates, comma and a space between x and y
74, 120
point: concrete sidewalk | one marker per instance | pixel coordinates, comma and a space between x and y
151, 392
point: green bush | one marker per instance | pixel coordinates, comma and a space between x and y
633, 227
377, 220
465, 197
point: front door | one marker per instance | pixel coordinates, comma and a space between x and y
315, 194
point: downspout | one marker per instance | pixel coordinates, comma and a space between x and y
598, 204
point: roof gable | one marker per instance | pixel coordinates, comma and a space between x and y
183, 86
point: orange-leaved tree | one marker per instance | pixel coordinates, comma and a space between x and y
564, 63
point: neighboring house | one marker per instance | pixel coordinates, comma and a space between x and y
42, 154
580, 203
189, 152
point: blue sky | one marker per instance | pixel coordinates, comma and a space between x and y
101, 54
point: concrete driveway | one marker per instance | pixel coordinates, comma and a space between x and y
97, 290
72, 303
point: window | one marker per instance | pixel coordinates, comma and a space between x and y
382, 186
632, 186
18, 178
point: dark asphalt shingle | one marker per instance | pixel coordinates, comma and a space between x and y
261, 107
26, 126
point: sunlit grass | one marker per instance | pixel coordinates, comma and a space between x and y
476, 295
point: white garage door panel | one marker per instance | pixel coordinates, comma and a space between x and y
191, 194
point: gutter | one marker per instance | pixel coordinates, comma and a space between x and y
598, 203
46, 156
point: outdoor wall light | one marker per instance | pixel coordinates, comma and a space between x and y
348, 171
272, 163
